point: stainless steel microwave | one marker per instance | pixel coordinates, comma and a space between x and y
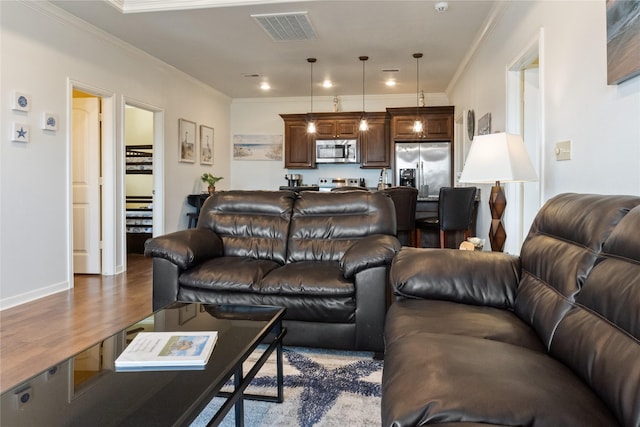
336, 151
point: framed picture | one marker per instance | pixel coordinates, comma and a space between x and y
206, 145
21, 101
187, 141
623, 39
484, 124
257, 147
49, 121
20, 132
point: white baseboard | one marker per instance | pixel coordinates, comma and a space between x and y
33, 295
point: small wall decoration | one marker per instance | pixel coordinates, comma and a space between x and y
20, 132
623, 40
187, 141
484, 124
49, 121
206, 145
21, 101
257, 147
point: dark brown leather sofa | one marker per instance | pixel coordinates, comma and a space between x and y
549, 338
323, 256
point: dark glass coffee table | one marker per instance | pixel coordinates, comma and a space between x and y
86, 390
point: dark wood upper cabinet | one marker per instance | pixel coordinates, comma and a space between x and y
298, 144
437, 123
375, 149
337, 125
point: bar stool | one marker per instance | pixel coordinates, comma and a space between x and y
404, 199
455, 210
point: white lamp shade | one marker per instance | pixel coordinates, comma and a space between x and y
498, 157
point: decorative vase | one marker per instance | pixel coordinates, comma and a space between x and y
212, 189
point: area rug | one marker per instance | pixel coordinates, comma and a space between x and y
321, 388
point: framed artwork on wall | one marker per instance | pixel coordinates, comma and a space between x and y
484, 124
187, 140
206, 145
623, 40
257, 147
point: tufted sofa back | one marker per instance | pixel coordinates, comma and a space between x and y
599, 337
562, 247
251, 223
324, 225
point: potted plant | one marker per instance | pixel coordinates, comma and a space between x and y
211, 180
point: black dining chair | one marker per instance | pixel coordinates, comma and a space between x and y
455, 213
404, 199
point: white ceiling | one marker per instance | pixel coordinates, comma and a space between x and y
221, 45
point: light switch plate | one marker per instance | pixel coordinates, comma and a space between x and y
563, 150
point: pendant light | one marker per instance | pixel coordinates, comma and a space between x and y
364, 126
417, 125
311, 126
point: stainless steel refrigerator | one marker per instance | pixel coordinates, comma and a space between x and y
431, 164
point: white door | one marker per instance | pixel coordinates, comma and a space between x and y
85, 143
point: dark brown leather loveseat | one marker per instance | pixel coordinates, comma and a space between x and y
323, 256
549, 338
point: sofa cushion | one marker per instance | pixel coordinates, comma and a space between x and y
409, 317
485, 381
325, 225
482, 278
250, 223
600, 336
307, 278
559, 252
230, 274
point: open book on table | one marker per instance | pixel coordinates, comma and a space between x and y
159, 351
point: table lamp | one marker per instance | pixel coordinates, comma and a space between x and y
495, 158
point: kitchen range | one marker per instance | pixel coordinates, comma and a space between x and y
327, 184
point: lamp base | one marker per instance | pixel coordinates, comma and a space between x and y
497, 205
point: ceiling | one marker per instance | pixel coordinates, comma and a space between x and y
224, 47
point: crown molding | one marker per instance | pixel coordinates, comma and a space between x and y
140, 6
489, 24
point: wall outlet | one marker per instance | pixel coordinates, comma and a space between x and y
563, 150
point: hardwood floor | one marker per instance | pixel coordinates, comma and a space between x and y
42, 333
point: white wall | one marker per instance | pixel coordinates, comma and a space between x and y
262, 116
603, 122
42, 48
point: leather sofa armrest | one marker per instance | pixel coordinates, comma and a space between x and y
478, 278
371, 251
185, 248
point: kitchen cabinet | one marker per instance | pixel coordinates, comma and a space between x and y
298, 144
437, 123
337, 125
375, 149
336, 129
374, 145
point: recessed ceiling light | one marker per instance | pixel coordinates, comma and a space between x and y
265, 86
327, 84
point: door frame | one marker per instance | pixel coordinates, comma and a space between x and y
514, 217
158, 170
107, 189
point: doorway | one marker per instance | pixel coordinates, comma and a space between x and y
139, 170
525, 117
142, 192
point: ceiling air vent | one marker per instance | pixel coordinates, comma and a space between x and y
286, 26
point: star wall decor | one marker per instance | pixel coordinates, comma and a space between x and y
20, 132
